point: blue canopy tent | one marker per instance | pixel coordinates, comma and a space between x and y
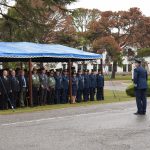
33, 52
22, 51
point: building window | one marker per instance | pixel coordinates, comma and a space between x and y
79, 66
110, 68
84, 66
129, 67
124, 68
95, 67
64, 66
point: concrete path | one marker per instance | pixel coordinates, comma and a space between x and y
98, 127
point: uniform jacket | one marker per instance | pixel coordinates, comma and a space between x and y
80, 82
93, 81
65, 82
43, 81
58, 82
140, 78
100, 81
86, 81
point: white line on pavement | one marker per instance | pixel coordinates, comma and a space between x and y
53, 118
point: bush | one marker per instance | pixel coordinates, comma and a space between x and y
130, 90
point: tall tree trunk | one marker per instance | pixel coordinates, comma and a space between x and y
114, 69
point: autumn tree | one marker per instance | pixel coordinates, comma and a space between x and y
122, 26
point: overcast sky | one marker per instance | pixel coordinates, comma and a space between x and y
113, 5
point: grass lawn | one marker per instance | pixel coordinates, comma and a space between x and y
119, 77
109, 98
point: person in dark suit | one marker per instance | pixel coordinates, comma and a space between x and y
58, 87
140, 84
65, 86
23, 87
100, 86
15, 89
43, 86
5, 90
86, 88
80, 86
93, 84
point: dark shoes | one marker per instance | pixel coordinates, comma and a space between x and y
141, 113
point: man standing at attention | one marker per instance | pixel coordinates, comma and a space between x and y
140, 84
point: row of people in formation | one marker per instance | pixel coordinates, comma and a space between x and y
49, 87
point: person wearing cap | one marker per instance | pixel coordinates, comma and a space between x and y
80, 86
35, 87
58, 87
43, 87
86, 87
51, 88
140, 84
74, 87
65, 87
100, 86
93, 84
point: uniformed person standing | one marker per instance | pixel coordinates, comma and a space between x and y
51, 88
58, 87
140, 83
100, 86
93, 84
74, 87
43, 87
80, 86
5, 90
35, 87
86, 88
15, 89
65, 87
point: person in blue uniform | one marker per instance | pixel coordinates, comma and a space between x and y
80, 86
74, 87
58, 87
93, 85
140, 84
86, 88
65, 86
100, 86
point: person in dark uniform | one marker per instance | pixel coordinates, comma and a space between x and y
35, 87
86, 88
43, 87
51, 88
93, 84
140, 84
23, 87
15, 89
5, 90
65, 86
74, 87
58, 87
80, 86
100, 86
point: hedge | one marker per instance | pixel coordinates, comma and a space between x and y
130, 90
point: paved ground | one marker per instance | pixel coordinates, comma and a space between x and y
100, 127
117, 85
